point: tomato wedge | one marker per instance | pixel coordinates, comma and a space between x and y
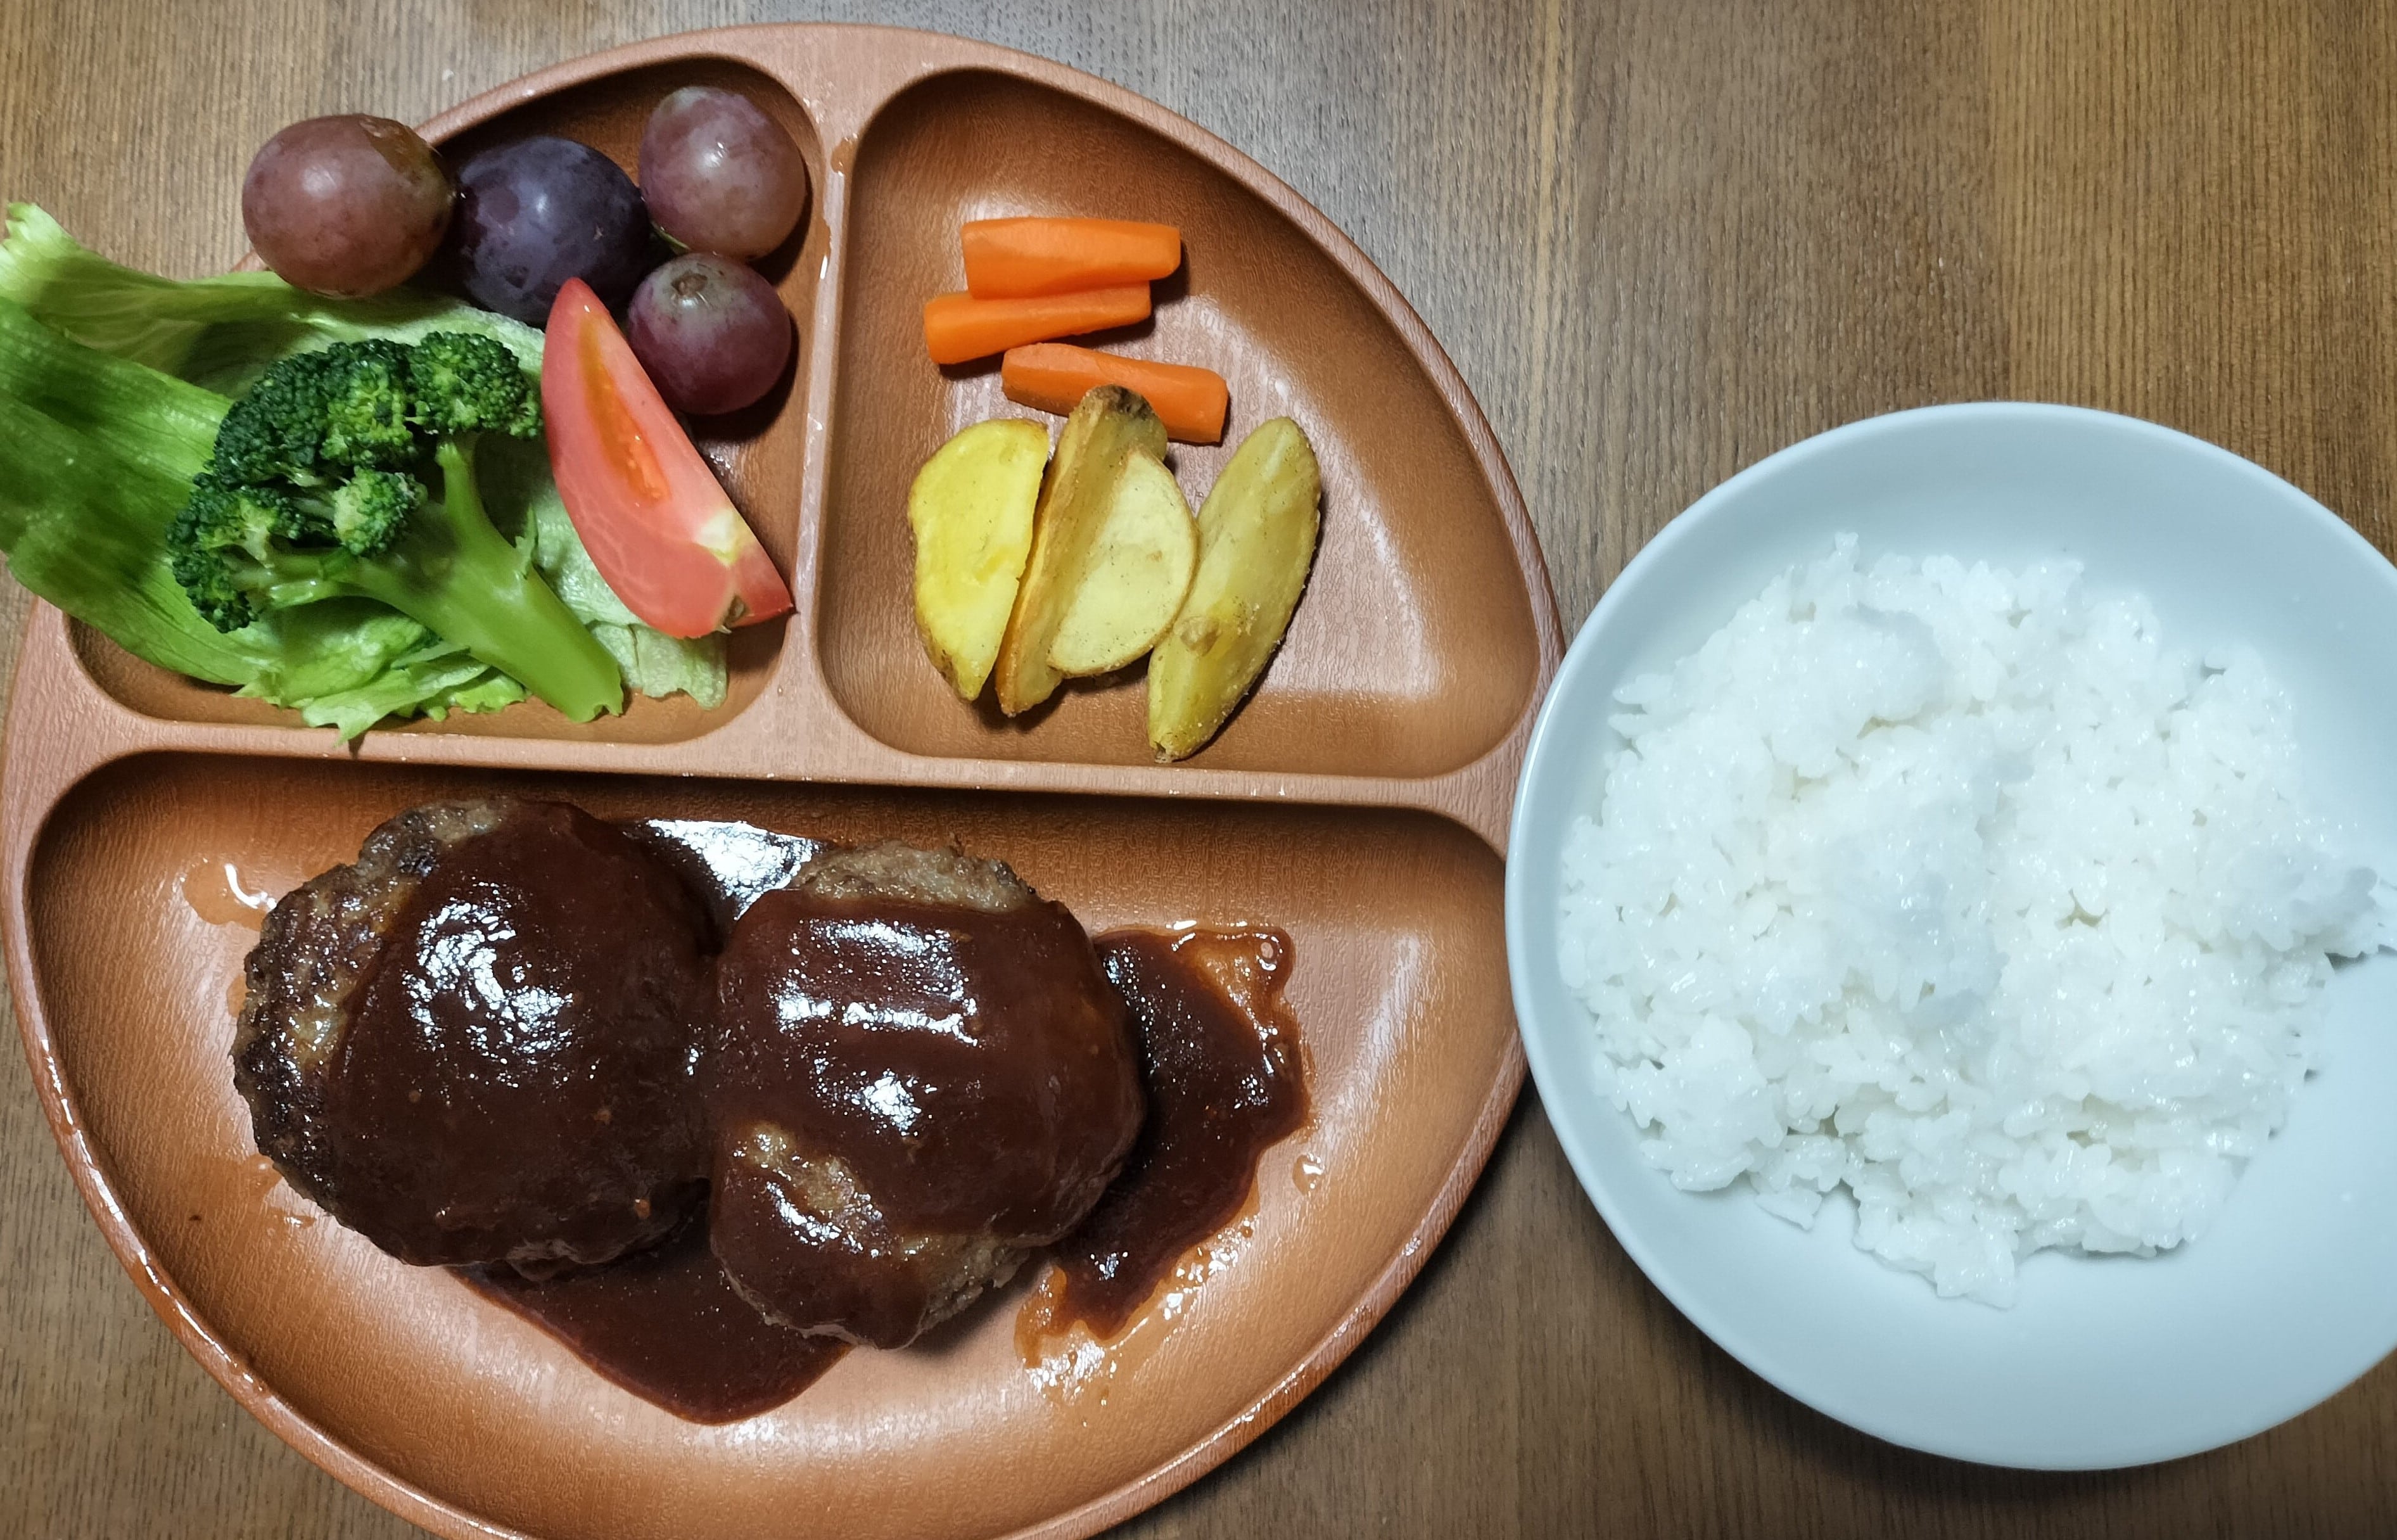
652, 514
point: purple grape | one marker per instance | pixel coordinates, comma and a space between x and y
720, 175
536, 212
711, 334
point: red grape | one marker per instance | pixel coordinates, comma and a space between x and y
720, 175
347, 206
711, 334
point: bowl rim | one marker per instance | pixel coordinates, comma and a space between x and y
1542, 762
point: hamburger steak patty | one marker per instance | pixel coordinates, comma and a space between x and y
920, 1072
476, 1044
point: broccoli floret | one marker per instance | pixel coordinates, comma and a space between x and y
239, 551
276, 431
314, 415
367, 404
220, 524
319, 491
275, 529
461, 382
368, 513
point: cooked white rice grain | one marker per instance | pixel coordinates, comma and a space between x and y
1957, 887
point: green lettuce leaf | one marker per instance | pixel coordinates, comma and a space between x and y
220, 332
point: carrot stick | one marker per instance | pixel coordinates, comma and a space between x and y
958, 326
1012, 259
1053, 377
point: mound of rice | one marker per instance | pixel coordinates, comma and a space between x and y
1957, 887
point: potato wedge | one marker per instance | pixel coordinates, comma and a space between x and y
1106, 428
1138, 572
971, 510
1256, 543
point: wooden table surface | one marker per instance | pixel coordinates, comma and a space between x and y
1662, 238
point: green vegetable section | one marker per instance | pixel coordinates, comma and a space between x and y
343, 531
314, 494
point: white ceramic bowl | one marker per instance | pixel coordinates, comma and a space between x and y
2104, 1362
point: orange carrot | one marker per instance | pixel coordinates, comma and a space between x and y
1053, 377
1014, 259
958, 326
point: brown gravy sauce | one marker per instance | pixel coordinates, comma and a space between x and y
665, 1325
1221, 1061
1220, 1054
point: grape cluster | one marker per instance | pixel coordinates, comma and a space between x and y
352, 206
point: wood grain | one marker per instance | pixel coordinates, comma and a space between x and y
1661, 239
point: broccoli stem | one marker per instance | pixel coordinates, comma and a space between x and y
457, 574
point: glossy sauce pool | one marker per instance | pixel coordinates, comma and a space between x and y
1220, 1054
665, 1325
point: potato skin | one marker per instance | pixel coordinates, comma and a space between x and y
971, 508
1258, 536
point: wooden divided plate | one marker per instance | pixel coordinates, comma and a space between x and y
1360, 801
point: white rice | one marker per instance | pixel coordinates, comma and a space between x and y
1957, 887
